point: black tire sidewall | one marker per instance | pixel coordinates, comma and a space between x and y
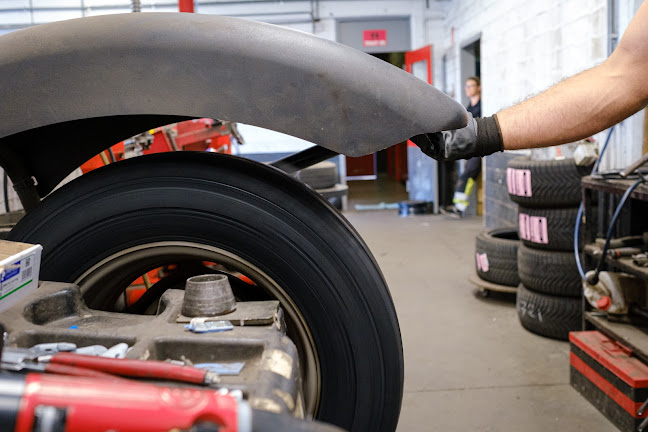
501, 254
548, 316
549, 272
554, 183
320, 176
560, 223
284, 229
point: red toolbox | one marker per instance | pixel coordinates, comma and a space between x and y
606, 373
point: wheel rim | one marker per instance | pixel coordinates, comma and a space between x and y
134, 259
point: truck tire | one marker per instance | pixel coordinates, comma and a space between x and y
549, 272
496, 256
545, 183
258, 218
544, 315
547, 228
322, 175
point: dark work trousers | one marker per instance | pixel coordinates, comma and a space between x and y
466, 183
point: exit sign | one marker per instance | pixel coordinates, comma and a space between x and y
374, 38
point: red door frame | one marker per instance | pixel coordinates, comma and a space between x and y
411, 57
421, 54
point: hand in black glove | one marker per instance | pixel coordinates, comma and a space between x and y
481, 137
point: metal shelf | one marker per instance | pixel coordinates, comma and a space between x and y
600, 197
624, 264
615, 186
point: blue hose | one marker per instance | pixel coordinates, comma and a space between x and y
608, 237
579, 215
607, 141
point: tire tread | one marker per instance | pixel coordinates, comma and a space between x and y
549, 272
554, 183
548, 316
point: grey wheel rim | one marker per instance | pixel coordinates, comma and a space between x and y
95, 278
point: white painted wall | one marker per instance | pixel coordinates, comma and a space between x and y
527, 46
626, 142
434, 32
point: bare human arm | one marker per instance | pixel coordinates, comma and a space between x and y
574, 109
588, 102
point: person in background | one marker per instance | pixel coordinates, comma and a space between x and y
468, 177
571, 110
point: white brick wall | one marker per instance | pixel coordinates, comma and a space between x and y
527, 46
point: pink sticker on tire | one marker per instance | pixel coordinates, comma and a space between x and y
510, 180
482, 262
523, 225
518, 182
524, 183
538, 230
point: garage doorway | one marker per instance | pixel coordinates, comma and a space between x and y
378, 177
470, 61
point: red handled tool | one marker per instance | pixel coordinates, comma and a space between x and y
149, 369
62, 369
47, 402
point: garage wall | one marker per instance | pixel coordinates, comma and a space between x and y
527, 46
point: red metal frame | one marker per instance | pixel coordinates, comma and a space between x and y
421, 54
411, 57
186, 6
192, 135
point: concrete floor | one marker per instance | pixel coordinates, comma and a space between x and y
469, 365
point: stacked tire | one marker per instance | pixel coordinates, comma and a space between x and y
496, 256
320, 176
323, 177
548, 193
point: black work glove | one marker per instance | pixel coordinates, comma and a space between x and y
481, 137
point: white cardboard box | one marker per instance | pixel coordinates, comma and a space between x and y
19, 270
